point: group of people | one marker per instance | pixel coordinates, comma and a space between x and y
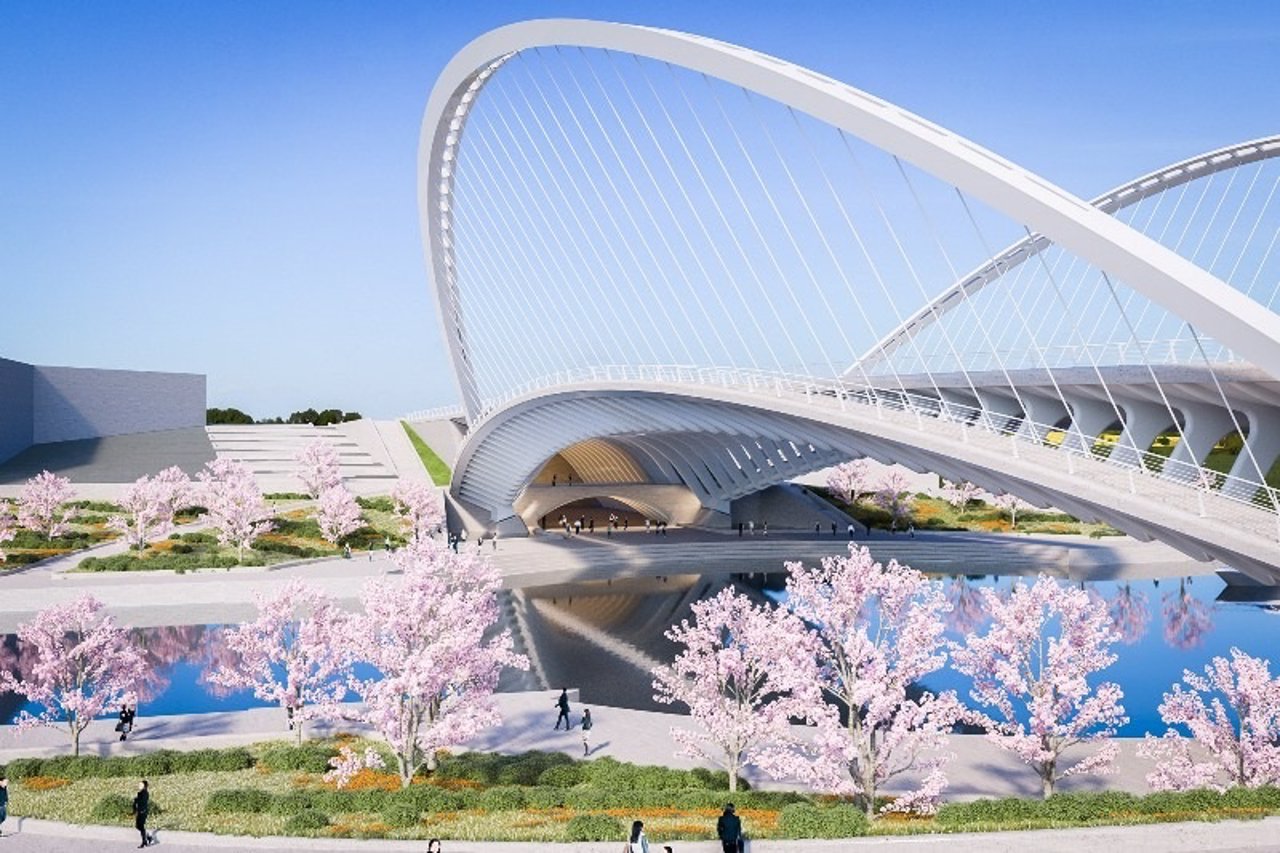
750, 527
128, 712
584, 725
728, 830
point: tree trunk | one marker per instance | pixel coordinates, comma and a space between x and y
1046, 778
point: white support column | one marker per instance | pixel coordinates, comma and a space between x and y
1088, 419
1042, 413
1204, 426
1143, 422
999, 404
1260, 451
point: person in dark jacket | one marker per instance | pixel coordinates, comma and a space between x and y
563, 704
141, 808
585, 728
4, 801
729, 830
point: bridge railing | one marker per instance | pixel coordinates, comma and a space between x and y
1186, 484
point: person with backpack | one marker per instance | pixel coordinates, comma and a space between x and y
729, 830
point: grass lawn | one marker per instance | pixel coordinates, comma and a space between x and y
436, 467
87, 527
277, 789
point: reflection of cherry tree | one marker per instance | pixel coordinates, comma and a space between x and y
162, 647
1129, 614
216, 655
1186, 619
967, 610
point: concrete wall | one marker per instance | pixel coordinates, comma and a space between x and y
15, 407
43, 405
72, 403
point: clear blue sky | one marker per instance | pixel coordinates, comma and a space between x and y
229, 187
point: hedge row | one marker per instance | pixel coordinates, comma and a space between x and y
501, 798
1105, 806
557, 770
161, 763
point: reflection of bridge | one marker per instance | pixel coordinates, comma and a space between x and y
683, 271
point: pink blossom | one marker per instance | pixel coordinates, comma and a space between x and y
83, 665
347, 763
318, 468
295, 654
234, 503
892, 497
7, 524
1033, 666
427, 633
1011, 504
744, 672
40, 506
878, 631
1233, 715
337, 514
960, 494
1129, 614
419, 508
142, 515
1186, 619
848, 480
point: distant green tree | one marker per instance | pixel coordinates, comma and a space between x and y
308, 416
226, 416
351, 416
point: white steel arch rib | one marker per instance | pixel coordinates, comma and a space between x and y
1110, 202
1156, 271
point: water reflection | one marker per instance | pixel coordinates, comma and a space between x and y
967, 609
1186, 619
1130, 613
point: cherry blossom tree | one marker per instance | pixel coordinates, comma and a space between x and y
7, 525
1186, 619
426, 634
1011, 504
337, 513
892, 497
1129, 614
848, 480
234, 503
296, 654
40, 505
744, 672
1033, 667
143, 513
419, 509
84, 665
878, 631
960, 494
173, 492
318, 468
1233, 715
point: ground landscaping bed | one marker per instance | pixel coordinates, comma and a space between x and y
277, 789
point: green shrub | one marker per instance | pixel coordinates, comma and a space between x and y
545, 798
561, 776
503, 798
309, 757
292, 803
111, 808
429, 798
306, 821
594, 827
288, 496
276, 547
238, 800
1010, 809
381, 503
401, 815
805, 820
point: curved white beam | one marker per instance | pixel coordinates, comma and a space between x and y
1021, 251
1142, 263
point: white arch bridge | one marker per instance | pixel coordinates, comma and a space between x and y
684, 271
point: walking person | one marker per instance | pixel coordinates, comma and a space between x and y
585, 728
125, 724
637, 843
4, 801
563, 704
433, 846
141, 808
911, 529
729, 830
